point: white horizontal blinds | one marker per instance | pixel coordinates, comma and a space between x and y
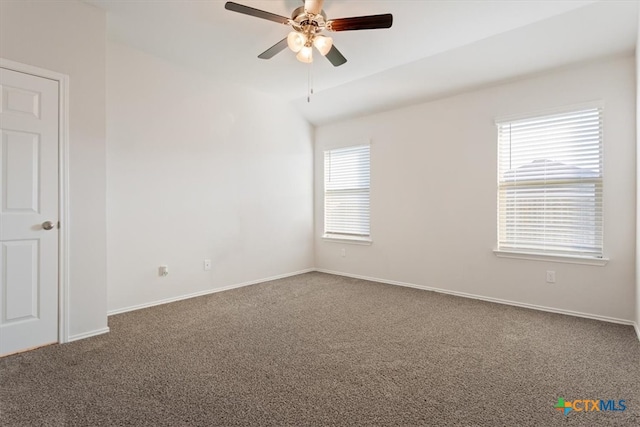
550, 184
346, 191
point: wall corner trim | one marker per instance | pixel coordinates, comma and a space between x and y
636, 326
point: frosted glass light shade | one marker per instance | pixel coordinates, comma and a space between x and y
305, 55
295, 41
323, 44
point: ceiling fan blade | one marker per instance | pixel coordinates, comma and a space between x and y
274, 50
371, 22
335, 57
235, 7
313, 6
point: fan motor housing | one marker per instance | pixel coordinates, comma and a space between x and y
302, 20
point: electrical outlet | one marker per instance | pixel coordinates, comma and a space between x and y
163, 271
551, 276
343, 252
207, 264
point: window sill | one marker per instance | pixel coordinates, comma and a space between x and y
347, 239
551, 258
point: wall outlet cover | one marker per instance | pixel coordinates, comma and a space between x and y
551, 276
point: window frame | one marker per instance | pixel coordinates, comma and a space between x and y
549, 256
339, 237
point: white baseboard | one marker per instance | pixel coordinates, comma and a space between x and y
206, 292
88, 334
372, 279
488, 299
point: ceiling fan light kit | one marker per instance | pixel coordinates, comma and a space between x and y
323, 44
301, 44
305, 55
295, 41
307, 22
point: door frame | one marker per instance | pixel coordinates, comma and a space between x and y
63, 186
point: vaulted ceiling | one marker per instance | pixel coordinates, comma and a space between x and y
434, 48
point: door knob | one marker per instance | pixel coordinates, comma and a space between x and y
48, 225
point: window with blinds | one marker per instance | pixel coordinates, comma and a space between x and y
550, 184
346, 192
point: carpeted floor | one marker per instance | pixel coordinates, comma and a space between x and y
318, 349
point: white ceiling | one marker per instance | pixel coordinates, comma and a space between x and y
434, 47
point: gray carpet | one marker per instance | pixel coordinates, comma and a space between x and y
318, 349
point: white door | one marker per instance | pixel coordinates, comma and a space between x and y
29, 212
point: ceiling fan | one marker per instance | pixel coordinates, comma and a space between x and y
308, 22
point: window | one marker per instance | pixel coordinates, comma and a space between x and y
346, 193
550, 184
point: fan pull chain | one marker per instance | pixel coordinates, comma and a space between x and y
310, 82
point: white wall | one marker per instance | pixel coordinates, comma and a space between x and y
69, 37
200, 169
433, 196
